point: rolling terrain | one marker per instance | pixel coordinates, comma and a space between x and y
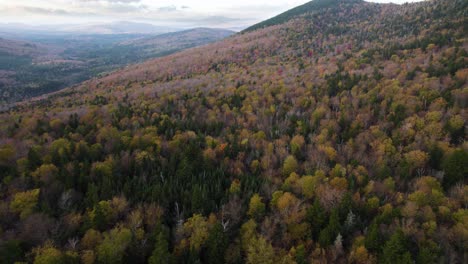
47, 63
334, 133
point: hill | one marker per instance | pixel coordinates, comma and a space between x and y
337, 136
47, 63
186, 38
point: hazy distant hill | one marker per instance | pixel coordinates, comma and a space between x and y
120, 27
176, 41
20, 48
189, 37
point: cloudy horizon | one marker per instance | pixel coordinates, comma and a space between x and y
175, 13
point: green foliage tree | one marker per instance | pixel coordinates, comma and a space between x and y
328, 234
256, 207
372, 240
290, 165
113, 246
48, 254
217, 244
197, 228
160, 254
395, 250
25, 202
34, 158
455, 168
11, 251
317, 217
260, 252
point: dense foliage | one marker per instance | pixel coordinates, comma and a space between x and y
337, 137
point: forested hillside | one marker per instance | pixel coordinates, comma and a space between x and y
335, 136
48, 63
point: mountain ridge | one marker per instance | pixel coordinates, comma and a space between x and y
312, 6
336, 137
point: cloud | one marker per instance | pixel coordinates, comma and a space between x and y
45, 11
113, 1
170, 8
180, 13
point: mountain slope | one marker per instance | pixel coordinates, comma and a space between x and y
50, 63
336, 137
313, 6
197, 36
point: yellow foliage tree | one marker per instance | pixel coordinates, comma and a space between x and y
25, 202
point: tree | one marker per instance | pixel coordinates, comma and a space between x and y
427, 254
248, 233
455, 168
11, 251
317, 217
372, 240
34, 158
48, 254
297, 143
217, 244
328, 235
308, 185
25, 202
197, 228
301, 257
260, 252
45, 173
256, 207
161, 254
360, 255
395, 250
290, 165
113, 246
91, 239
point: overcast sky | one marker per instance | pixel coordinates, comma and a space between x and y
175, 13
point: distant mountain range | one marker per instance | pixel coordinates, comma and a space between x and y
120, 27
179, 40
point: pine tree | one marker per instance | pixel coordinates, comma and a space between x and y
372, 240
316, 216
327, 236
216, 244
160, 253
395, 250
455, 168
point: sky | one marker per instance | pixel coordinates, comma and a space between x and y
169, 13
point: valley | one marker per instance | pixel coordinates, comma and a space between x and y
44, 63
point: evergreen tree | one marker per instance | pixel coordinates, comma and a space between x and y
316, 216
161, 254
34, 158
372, 240
395, 250
216, 244
455, 168
327, 236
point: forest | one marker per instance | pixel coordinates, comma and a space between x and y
335, 136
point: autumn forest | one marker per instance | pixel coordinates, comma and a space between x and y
333, 134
